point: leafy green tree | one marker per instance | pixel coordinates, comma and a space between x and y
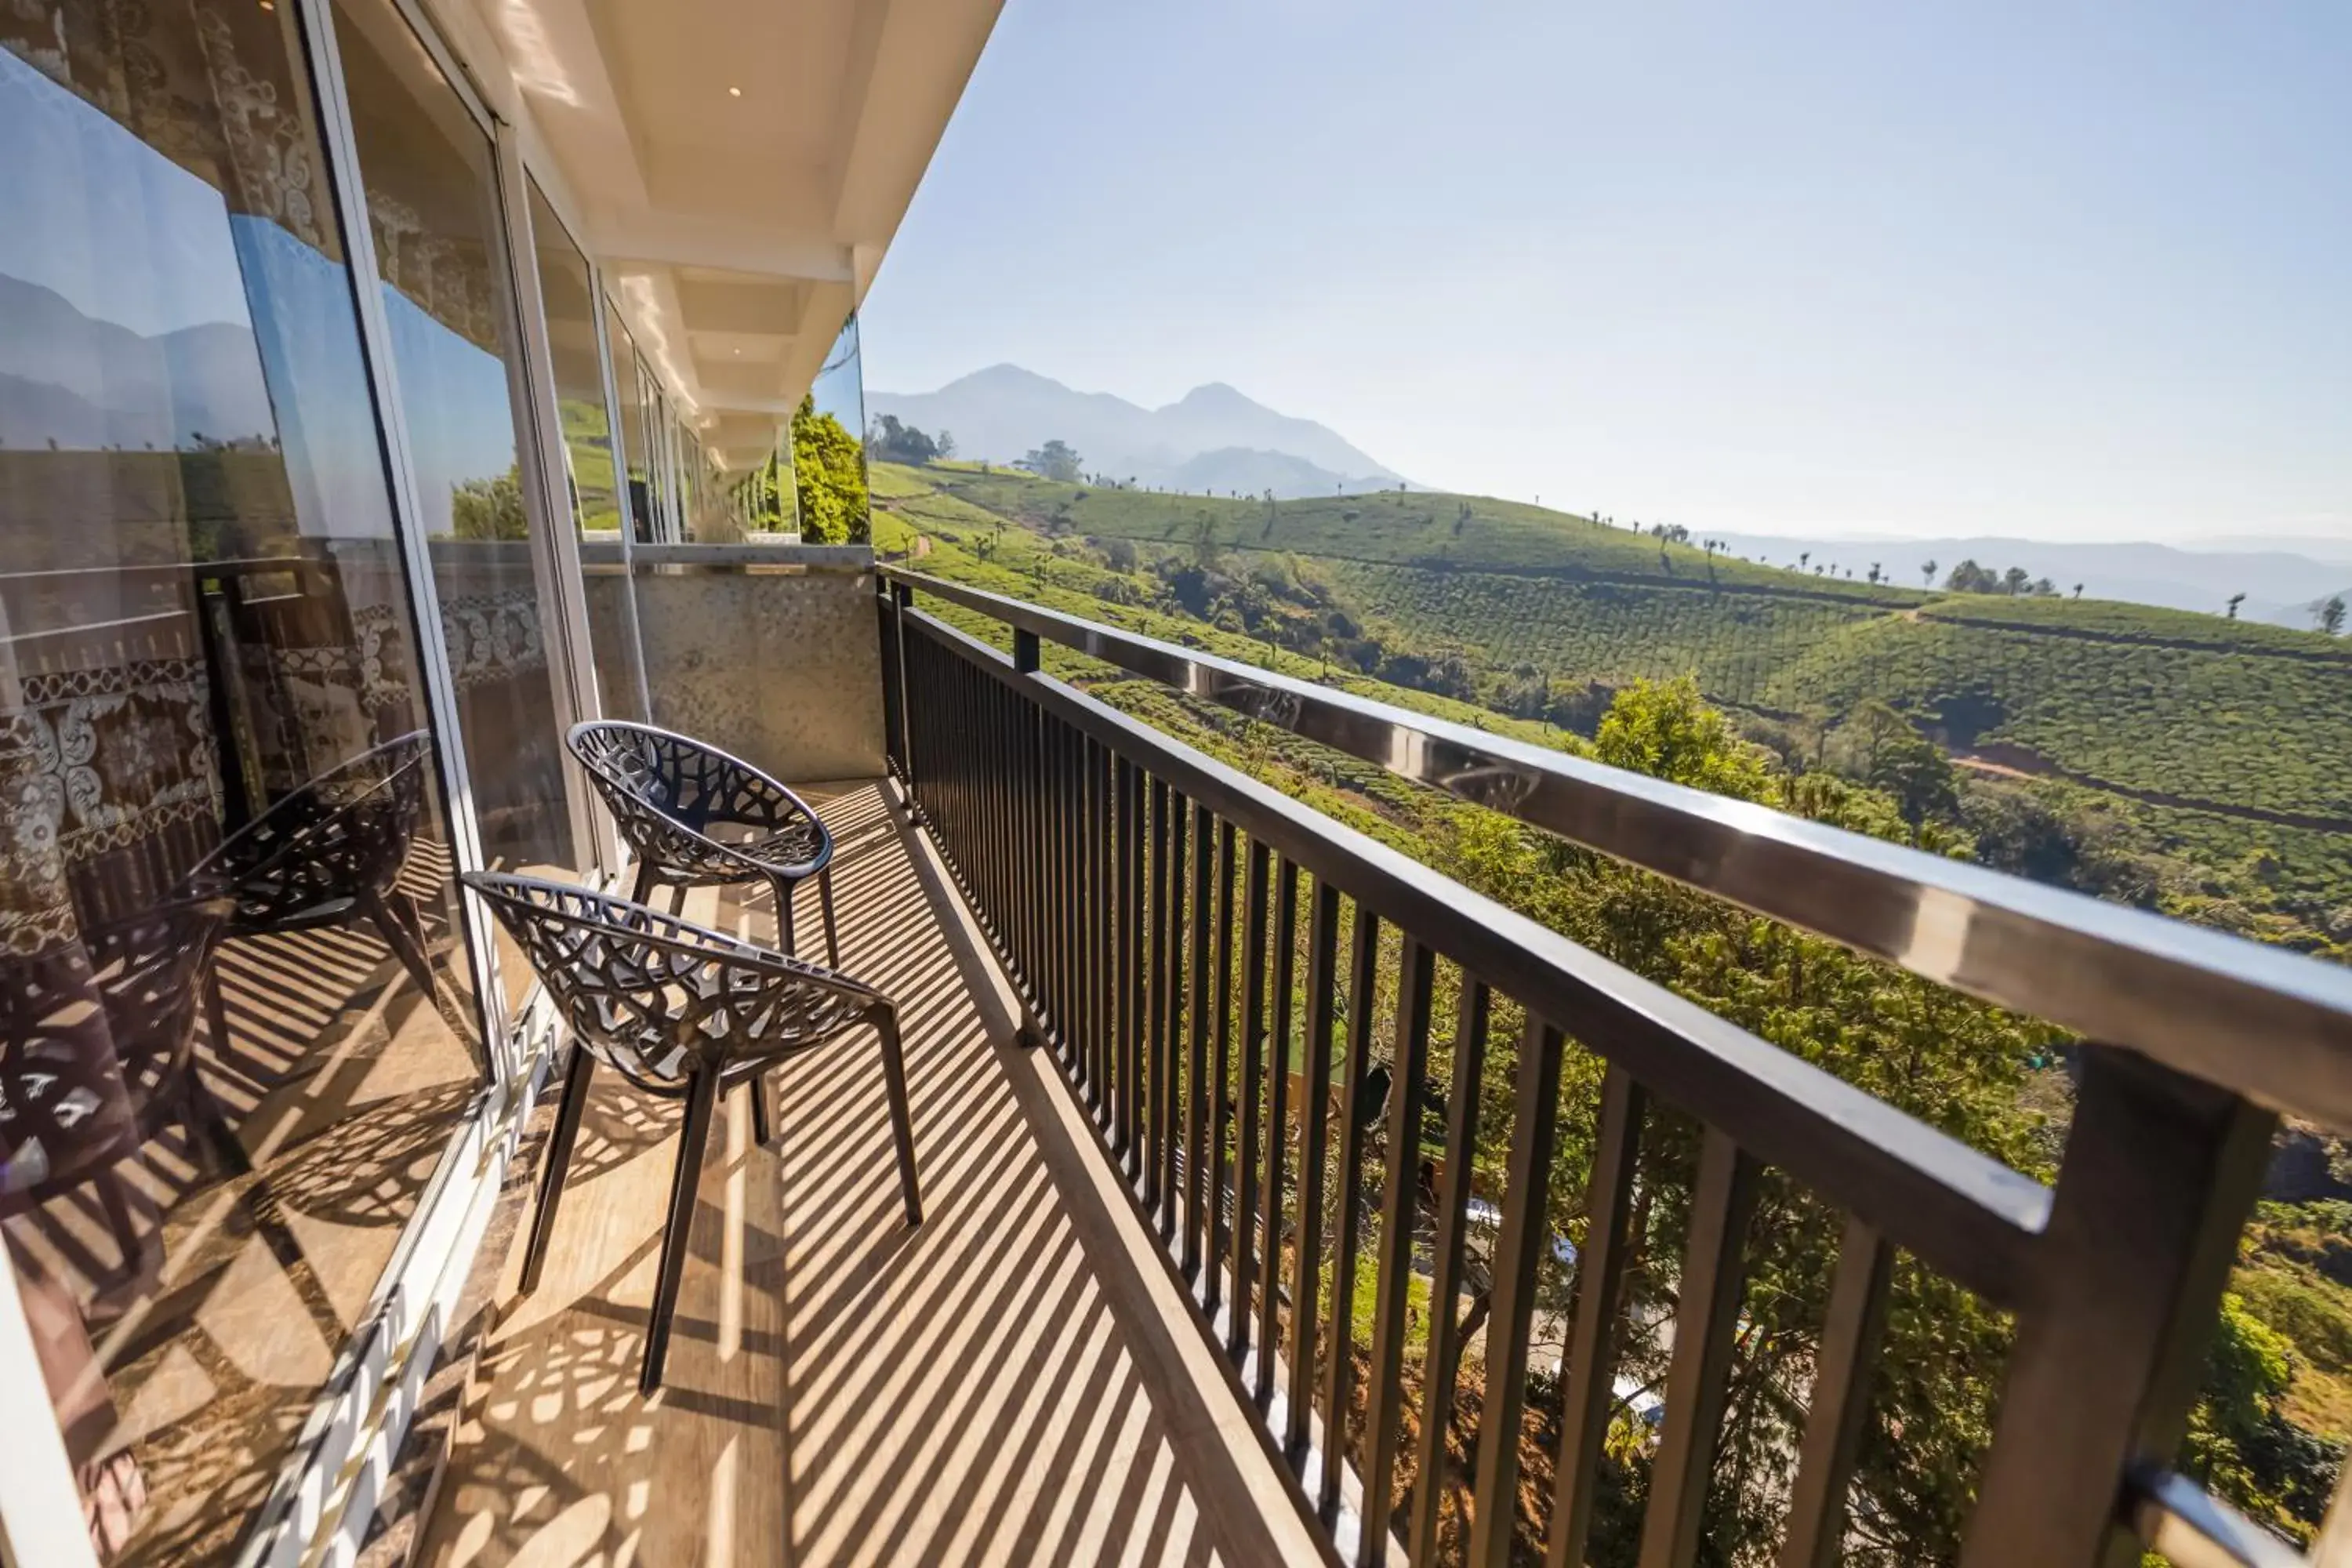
1968, 577
896, 442
489, 508
2330, 616
1055, 461
829, 467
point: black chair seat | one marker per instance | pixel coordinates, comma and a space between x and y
684, 1012
695, 817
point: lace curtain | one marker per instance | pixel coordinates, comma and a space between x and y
176, 74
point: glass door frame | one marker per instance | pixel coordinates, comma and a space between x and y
554, 538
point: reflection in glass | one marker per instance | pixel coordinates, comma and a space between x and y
567, 290
632, 417
234, 1028
828, 451
432, 214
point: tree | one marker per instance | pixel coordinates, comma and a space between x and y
1927, 571
894, 442
2078, 590
2235, 600
1968, 577
946, 443
2014, 580
829, 469
2330, 616
1055, 460
489, 508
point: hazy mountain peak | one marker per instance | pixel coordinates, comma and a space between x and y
1214, 437
1216, 395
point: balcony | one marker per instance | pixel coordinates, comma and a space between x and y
1011, 1382
1110, 1340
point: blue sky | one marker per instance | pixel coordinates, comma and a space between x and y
2069, 271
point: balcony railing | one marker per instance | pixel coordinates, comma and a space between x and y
1145, 898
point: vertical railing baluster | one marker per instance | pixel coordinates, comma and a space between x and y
1285, 939
1154, 1034
1339, 1357
1098, 901
1169, 1065
1707, 1323
1135, 944
1521, 1243
1127, 903
1197, 1191
1249, 1089
1221, 1071
1600, 1278
1444, 1353
1383, 1411
1315, 1112
1841, 1399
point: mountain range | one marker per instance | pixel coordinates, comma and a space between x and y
2281, 586
1212, 438
85, 383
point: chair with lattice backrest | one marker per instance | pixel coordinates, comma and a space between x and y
329, 854
696, 816
683, 1011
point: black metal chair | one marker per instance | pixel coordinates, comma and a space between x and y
683, 1011
329, 854
696, 816
97, 1052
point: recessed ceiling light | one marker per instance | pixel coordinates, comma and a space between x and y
734, 93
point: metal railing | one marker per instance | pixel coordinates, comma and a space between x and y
1115, 871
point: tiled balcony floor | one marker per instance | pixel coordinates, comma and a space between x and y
1008, 1383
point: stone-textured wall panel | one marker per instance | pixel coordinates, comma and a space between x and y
783, 668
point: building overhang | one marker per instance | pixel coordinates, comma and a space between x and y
737, 167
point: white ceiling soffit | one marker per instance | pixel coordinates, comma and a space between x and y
739, 166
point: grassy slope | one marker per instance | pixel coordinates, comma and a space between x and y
2277, 1276
2197, 711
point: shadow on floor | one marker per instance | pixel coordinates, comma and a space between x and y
996, 1386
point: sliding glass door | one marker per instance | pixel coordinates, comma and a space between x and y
236, 1016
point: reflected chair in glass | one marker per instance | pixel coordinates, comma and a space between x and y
684, 1013
696, 816
97, 1052
329, 854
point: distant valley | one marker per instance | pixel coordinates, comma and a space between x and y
1216, 441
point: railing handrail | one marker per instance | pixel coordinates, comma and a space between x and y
2271, 1025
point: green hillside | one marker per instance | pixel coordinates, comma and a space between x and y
2216, 742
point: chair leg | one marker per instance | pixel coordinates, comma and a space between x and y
215, 1011
784, 887
558, 1157
763, 1131
207, 1124
402, 939
645, 881
677, 898
902, 1132
701, 1098
832, 931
